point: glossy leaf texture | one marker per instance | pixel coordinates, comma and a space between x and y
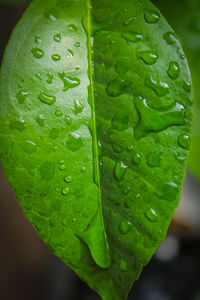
95, 124
185, 17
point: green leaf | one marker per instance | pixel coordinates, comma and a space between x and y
185, 17
95, 123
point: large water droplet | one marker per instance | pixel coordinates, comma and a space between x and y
148, 56
120, 170
125, 226
21, 96
154, 159
68, 179
151, 215
116, 87
184, 141
48, 99
151, 16
57, 37
74, 142
38, 53
69, 82
131, 36
78, 107
174, 70
159, 87
170, 37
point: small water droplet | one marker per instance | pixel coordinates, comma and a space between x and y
61, 161
74, 142
72, 27
56, 57
40, 120
129, 21
29, 146
151, 16
21, 96
68, 179
18, 124
70, 53
130, 148
68, 120
169, 191
48, 99
69, 82
65, 191
77, 68
78, 107
131, 36
37, 39
154, 159
136, 158
123, 266
58, 113
126, 190
151, 215
120, 170
125, 226
159, 87
174, 70
77, 44
57, 37
170, 37
148, 56
184, 141
116, 87
38, 53
137, 196
50, 78
83, 169
187, 86
62, 167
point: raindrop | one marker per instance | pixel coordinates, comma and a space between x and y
57, 37
74, 142
151, 16
21, 96
159, 87
56, 57
187, 86
68, 179
78, 107
48, 99
69, 82
184, 141
129, 21
174, 70
125, 226
62, 167
77, 44
40, 120
65, 191
72, 27
70, 53
170, 37
58, 113
120, 170
38, 53
148, 56
136, 158
29, 146
126, 190
68, 120
131, 36
18, 124
151, 215
50, 78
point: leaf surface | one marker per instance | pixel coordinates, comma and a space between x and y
95, 123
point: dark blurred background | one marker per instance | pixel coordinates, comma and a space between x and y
30, 272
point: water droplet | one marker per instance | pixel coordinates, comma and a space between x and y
116, 87
154, 159
159, 87
120, 170
83, 169
78, 107
62, 167
50, 78
74, 142
120, 121
68, 120
131, 36
57, 37
136, 158
77, 44
18, 124
72, 27
58, 113
40, 120
21, 96
151, 16
184, 141
174, 70
170, 191
130, 148
69, 82
77, 68
187, 86
70, 53
56, 57
123, 266
38, 53
151, 215
129, 21
48, 99
126, 190
37, 39
148, 56
61, 161
125, 226
170, 37
68, 179
65, 191
137, 196
29, 146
